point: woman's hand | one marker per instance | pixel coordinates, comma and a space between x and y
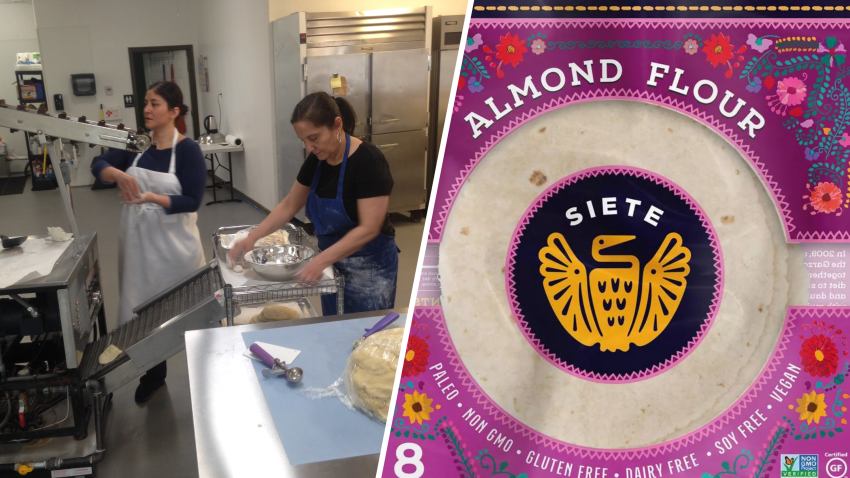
143, 198
239, 249
312, 271
129, 187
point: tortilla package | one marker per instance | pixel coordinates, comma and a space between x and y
636, 258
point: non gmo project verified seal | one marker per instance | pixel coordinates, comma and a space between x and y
799, 465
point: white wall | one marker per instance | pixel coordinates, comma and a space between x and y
234, 36
93, 36
17, 35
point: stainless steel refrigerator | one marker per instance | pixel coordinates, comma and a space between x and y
382, 60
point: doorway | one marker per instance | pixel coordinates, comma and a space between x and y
171, 63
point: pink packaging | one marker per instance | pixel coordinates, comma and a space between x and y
773, 91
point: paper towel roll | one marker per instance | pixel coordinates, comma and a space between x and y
233, 140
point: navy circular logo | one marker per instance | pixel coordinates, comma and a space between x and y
614, 274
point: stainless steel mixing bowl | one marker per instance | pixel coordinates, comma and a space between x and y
279, 263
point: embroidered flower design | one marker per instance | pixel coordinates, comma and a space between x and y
538, 46
510, 49
836, 54
474, 84
691, 47
790, 91
417, 407
845, 140
473, 42
811, 407
461, 82
819, 353
825, 198
758, 44
718, 50
416, 357
810, 154
755, 85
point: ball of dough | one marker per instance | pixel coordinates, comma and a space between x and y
111, 353
237, 268
370, 372
279, 312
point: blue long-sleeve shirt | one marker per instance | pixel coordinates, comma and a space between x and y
191, 171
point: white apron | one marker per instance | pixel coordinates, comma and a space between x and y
155, 250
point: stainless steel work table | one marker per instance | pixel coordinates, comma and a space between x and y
234, 431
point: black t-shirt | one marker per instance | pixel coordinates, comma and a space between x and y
367, 175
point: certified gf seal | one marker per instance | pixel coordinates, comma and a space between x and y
836, 468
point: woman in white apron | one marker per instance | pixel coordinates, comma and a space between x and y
159, 242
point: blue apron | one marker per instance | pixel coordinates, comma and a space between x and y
371, 272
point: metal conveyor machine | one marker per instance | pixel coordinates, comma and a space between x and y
53, 328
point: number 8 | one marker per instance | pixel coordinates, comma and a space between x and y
415, 460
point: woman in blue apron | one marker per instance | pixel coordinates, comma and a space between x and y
159, 243
345, 184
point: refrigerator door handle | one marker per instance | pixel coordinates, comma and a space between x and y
391, 120
385, 146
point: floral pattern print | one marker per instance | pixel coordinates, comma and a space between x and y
811, 407
836, 54
538, 46
759, 44
824, 198
473, 42
790, 91
819, 353
416, 357
417, 407
510, 49
720, 51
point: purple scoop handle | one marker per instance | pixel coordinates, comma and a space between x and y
264, 356
382, 324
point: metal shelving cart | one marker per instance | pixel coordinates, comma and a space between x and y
256, 291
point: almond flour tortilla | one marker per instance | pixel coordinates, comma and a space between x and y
684, 397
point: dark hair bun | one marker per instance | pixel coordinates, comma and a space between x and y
322, 109
170, 92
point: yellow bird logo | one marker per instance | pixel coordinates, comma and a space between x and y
614, 306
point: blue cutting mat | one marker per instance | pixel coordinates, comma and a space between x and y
320, 429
